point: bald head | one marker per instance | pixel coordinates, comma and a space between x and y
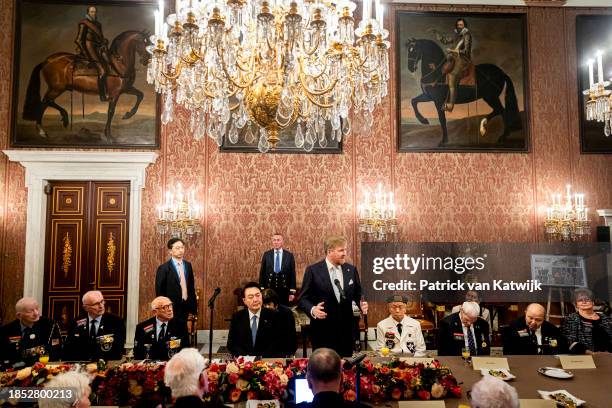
323, 373
534, 316
162, 308
93, 303
27, 311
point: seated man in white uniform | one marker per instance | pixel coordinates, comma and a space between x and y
398, 332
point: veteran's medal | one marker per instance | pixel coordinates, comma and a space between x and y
173, 347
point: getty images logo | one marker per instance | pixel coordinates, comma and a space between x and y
413, 264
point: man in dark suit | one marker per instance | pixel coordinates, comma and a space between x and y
324, 378
464, 330
286, 320
161, 336
278, 271
254, 331
97, 334
174, 280
531, 334
29, 336
186, 376
329, 290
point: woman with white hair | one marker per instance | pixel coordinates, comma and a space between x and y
72, 390
586, 330
491, 392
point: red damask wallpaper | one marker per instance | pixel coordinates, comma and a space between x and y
442, 196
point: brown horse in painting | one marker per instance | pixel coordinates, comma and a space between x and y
69, 72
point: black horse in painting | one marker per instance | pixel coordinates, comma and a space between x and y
490, 83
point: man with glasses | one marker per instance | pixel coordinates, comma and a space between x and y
464, 330
29, 336
399, 332
97, 334
161, 336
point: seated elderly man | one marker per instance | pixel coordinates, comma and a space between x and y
399, 332
187, 378
97, 334
76, 390
29, 336
531, 334
491, 392
464, 330
587, 331
163, 335
472, 296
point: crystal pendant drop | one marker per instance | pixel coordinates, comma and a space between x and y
299, 137
346, 126
249, 136
263, 146
233, 134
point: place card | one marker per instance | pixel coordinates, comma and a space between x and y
536, 403
478, 363
417, 360
263, 403
421, 404
577, 362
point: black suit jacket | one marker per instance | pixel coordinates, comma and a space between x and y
176, 330
81, 347
288, 336
12, 343
281, 282
518, 339
336, 330
330, 399
267, 342
167, 284
451, 339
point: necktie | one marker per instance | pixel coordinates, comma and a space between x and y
254, 329
183, 282
334, 276
162, 333
399, 329
92, 331
277, 267
471, 342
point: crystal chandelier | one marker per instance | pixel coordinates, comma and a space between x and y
599, 99
567, 221
270, 64
179, 216
377, 216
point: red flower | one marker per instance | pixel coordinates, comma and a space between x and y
424, 395
385, 370
349, 395
251, 395
456, 391
233, 378
235, 395
214, 367
396, 393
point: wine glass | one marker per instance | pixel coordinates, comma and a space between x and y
43, 357
465, 353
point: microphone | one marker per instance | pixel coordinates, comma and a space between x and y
353, 361
211, 301
342, 295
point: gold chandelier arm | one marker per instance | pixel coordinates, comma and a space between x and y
315, 92
312, 99
229, 77
177, 72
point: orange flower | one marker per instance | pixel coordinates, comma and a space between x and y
349, 395
235, 395
396, 393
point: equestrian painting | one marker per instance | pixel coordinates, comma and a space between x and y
80, 75
461, 82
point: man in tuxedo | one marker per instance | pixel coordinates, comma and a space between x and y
531, 334
278, 271
161, 336
174, 280
29, 336
254, 331
464, 330
286, 321
96, 334
329, 289
324, 376
400, 333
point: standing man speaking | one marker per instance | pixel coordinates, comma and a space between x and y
174, 280
329, 289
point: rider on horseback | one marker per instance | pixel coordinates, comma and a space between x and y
458, 57
92, 46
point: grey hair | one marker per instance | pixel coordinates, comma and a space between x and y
157, 301
23, 303
90, 293
471, 309
74, 381
582, 291
183, 371
491, 392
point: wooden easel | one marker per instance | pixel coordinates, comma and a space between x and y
559, 289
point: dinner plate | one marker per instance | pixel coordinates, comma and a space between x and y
555, 372
500, 373
560, 394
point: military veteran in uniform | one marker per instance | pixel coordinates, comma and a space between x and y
161, 336
531, 334
398, 332
29, 336
464, 330
97, 334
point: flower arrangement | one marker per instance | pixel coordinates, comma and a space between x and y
33, 376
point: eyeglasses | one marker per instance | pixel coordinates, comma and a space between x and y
100, 303
584, 299
165, 307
